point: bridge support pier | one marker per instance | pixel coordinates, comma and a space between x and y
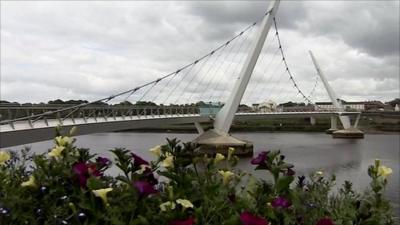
333, 125
313, 121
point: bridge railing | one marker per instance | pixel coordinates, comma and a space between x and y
32, 113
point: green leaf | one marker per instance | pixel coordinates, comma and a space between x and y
283, 183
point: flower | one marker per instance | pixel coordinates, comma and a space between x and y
62, 141
143, 168
185, 203
138, 161
102, 193
260, 159
218, 158
84, 171
189, 221
226, 176
144, 188
168, 162
290, 172
281, 202
167, 205
231, 151
103, 162
31, 182
156, 150
319, 173
4, 157
250, 219
56, 152
384, 171
325, 221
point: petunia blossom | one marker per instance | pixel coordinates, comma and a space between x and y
4, 157
260, 159
249, 219
325, 221
189, 221
184, 203
144, 188
138, 161
31, 182
84, 170
384, 171
102, 161
56, 152
102, 193
218, 158
281, 202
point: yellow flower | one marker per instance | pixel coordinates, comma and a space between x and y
384, 171
56, 152
167, 205
218, 158
102, 193
319, 173
29, 183
226, 176
185, 203
169, 161
231, 151
4, 157
62, 141
156, 150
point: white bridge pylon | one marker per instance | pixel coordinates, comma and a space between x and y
224, 118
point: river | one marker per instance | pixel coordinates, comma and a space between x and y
309, 152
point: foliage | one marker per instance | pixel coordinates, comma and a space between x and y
68, 185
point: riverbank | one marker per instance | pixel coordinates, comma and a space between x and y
372, 124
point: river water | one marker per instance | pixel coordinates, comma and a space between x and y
309, 152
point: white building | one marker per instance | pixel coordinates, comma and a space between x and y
268, 106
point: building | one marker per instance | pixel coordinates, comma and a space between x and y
268, 106
348, 106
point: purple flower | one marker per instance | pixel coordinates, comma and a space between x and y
250, 219
103, 162
290, 172
325, 221
138, 161
281, 202
144, 188
189, 221
260, 159
149, 176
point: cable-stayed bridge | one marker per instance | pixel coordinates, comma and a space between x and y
251, 67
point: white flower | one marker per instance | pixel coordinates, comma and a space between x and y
226, 176
29, 183
167, 205
56, 152
185, 203
4, 157
62, 141
168, 162
218, 158
156, 150
143, 168
102, 193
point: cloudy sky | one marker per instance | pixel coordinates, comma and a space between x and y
89, 50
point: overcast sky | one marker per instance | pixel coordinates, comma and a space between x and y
90, 50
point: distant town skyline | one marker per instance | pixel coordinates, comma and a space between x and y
90, 50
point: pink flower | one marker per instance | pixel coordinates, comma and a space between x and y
189, 221
260, 159
325, 221
144, 188
249, 219
281, 202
